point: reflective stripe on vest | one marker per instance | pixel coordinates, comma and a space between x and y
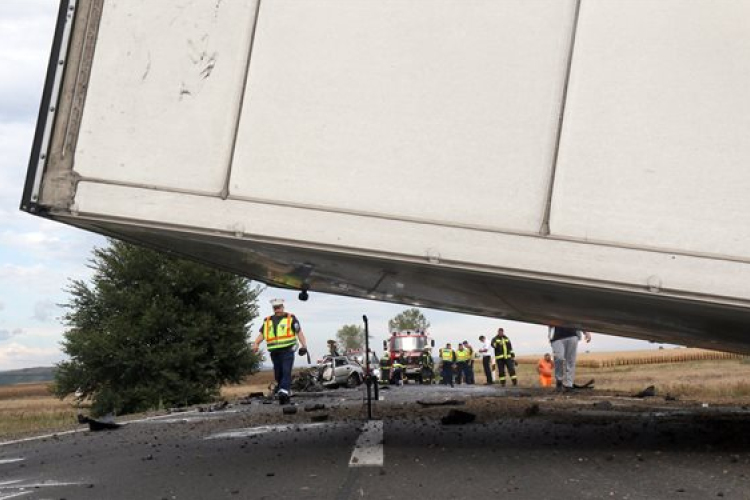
505, 354
463, 355
446, 354
280, 337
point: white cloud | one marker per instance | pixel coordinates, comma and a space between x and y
2, 305
15, 356
26, 30
44, 310
6, 334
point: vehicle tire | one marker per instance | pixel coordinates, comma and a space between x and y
353, 381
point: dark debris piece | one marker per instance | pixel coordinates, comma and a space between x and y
458, 417
447, 402
531, 410
587, 385
98, 425
648, 392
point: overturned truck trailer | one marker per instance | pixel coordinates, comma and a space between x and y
548, 161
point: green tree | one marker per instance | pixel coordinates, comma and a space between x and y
151, 329
409, 319
351, 337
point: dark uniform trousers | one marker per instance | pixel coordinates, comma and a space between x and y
447, 373
510, 364
487, 364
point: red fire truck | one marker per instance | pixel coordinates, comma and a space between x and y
412, 344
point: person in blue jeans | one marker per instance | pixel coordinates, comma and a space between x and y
282, 332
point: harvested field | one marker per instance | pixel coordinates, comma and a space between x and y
661, 356
30, 408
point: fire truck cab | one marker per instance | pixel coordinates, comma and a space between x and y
412, 344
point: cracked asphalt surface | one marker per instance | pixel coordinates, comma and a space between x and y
523, 444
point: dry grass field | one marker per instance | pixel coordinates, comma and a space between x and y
689, 374
30, 408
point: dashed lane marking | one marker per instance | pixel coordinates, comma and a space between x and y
368, 451
4, 461
264, 429
17, 494
17, 488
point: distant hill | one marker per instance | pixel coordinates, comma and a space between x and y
27, 375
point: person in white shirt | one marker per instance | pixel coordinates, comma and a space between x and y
485, 350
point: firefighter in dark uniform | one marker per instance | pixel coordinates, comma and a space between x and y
399, 365
504, 357
282, 333
385, 367
427, 367
447, 358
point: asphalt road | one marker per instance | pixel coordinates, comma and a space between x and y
523, 444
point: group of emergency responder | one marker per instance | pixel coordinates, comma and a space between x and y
393, 370
457, 366
283, 336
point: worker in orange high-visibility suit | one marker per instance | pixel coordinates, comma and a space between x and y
546, 369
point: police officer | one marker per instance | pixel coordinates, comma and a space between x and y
470, 372
447, 358
504, 356
462, 364
282, 333
385, 367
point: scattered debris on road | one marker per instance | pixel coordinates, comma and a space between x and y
315, 407
214, 407
98, 425
447, 402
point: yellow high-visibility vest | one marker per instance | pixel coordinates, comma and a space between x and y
446, 355
280, 337
463, 355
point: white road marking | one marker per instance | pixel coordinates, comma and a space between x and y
264, 429
45, 484
14, 495
368, 451
4, 461
43, 436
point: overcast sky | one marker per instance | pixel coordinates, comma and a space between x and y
39, 257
